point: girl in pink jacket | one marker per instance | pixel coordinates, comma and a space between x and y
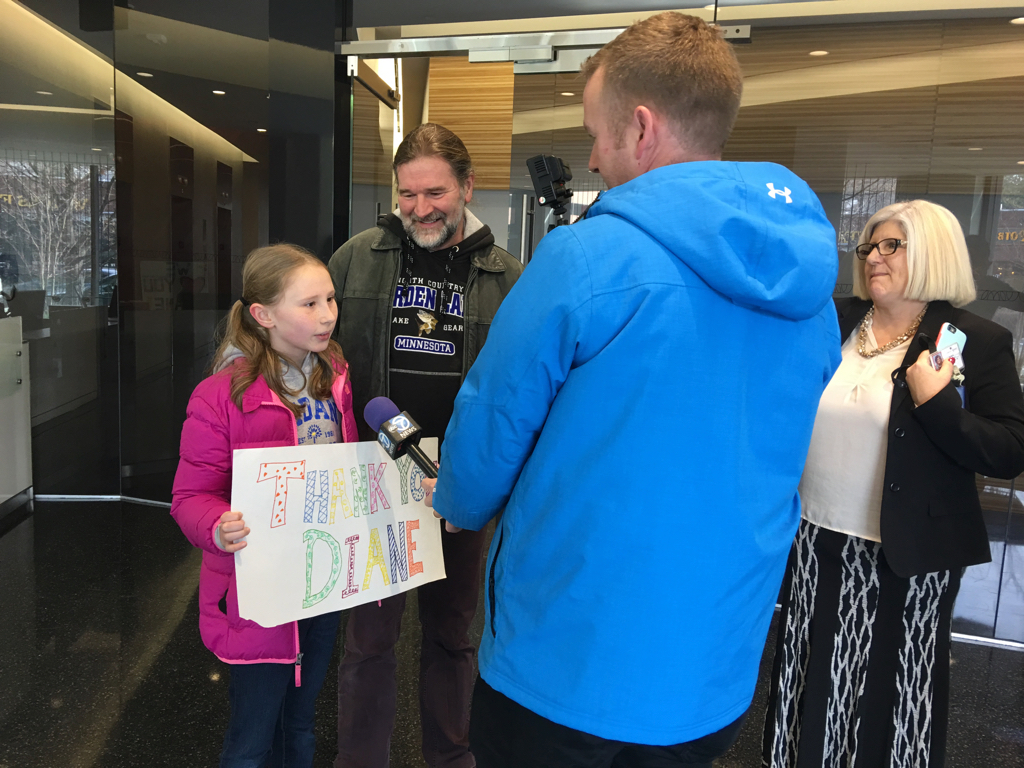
279, 379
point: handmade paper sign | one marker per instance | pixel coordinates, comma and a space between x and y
331, 527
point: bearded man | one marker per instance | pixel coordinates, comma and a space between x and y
417, 294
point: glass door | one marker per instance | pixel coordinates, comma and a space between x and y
375, 122
542, 101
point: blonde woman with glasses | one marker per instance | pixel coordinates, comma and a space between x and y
890, 508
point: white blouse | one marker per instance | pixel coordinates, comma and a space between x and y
841, 488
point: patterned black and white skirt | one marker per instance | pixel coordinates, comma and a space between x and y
861, 674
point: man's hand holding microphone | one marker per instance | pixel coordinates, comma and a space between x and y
427, 484
399, 435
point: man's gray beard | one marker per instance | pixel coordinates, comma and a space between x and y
441, 237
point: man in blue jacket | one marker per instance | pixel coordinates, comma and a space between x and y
642, 412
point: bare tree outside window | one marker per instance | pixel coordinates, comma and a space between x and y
861, 198
1013, 193
46, 222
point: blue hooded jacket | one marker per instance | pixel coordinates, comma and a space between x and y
642, 411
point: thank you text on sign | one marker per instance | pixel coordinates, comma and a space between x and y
331, 527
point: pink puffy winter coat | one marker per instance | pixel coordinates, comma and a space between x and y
213, 428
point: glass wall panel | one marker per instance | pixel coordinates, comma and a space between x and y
1010, 609
58, 264
224, 143
899, 111
128, 201
59, 416
529, 221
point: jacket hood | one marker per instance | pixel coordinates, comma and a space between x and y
228, 356
755, 232
294, 378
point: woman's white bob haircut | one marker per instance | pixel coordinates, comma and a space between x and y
938, 265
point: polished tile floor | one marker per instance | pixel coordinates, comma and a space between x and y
101, 663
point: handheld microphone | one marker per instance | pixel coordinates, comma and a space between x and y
397, 433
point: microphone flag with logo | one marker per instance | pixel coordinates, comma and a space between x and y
397, 433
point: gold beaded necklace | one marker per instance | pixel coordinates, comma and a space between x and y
862, 335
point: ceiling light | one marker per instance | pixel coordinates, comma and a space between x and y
1018, 20
45, 93
144, 74
818, 53
261, 130
219, 93
1020, 162
96, 149
568, 93
975, 149
709, 7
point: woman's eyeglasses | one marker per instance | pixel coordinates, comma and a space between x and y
885, 247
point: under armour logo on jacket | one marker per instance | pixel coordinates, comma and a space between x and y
785, 192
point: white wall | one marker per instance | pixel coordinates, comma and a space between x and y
491, 207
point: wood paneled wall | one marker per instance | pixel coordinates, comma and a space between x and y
371, 160
475, 101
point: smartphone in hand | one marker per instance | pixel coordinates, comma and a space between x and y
950, 345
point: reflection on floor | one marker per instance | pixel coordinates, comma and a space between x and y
101, 662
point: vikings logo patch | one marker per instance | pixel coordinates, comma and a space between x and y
429, 322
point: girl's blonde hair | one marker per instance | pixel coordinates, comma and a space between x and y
265, 276
938, 265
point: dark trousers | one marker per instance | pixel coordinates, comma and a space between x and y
367, 689
271, 722
505, 734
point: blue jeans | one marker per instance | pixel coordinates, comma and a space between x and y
271, 720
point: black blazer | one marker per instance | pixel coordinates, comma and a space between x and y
931, 516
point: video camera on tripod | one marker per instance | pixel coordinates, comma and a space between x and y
550, 175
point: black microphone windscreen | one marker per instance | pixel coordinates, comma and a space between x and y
379, 410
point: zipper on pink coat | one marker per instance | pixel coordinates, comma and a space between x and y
298, 658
